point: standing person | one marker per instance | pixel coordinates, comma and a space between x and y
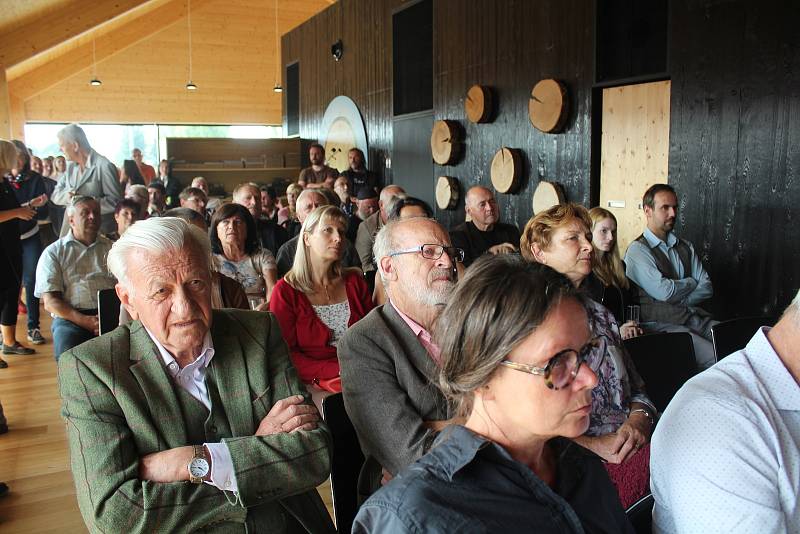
319, 298
357, 175
11, 256
30, 188
88, 174
608, 284
316, 175
147, 171
172, 186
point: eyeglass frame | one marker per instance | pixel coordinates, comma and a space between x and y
418, 249
546, 370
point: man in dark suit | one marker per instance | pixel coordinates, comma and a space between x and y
189, 419
172, 185
388, 360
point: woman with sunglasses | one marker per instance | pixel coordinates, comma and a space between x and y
514, 338
622, 415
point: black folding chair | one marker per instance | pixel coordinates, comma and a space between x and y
346, 462
108, 310
733, 334
640, 514
665, 361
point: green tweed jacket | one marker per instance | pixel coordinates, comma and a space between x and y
119, 404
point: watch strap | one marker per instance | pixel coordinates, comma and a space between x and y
198, 451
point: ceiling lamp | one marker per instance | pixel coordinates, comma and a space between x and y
277, 88
190, 86
95, 81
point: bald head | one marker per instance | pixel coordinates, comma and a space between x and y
308, 201
481, 206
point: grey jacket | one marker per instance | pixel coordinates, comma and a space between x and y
389, 388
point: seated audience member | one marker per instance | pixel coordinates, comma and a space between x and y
157, 199
408, 207
307, 202
331, 197
670, 277
195, 199
140, 194
31, 190
726, 453
212, 203
342, 190
237, 254
36, 164
88, 174
514, 340
11, 260
163, 430
319, 299
287, 215
622, 415
389, 361
366, 205
47, 167
608, 284
269, 211
316, 175
147, 171
270, 235
225, 291
125, 214
70, 273
357, 175
172, 186
484, 234
130, 175
372, 225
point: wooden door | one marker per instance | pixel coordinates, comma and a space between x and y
634, 152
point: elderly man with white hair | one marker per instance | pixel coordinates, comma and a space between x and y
71, 271
725, 455
88, 173
189, 419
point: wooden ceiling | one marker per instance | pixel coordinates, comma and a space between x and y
142, 55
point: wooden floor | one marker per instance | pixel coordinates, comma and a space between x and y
34, 459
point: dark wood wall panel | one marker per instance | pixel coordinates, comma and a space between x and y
734, 153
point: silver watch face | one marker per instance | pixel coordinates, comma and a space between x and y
198, 468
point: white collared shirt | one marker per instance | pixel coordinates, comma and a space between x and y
192, 378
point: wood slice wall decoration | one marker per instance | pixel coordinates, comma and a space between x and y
479, 104
547, 107
446, 142
507, 170
447, 192
547, 195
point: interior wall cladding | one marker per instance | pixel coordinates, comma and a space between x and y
735, 147
510, 46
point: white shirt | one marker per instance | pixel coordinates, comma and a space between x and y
725, 456
192, 378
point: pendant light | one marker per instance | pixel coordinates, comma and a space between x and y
95, 81
277, 88
190, 86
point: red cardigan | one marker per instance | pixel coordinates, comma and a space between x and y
307, 336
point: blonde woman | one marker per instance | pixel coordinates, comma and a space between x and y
608, 284
319, 298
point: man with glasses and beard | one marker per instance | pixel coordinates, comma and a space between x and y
389, 361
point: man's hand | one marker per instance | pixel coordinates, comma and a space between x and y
288, 415
503, 248
167, 466
629, 330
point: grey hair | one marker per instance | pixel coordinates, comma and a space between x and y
306, 192
77, 201
385, 243
159, 235
74, 134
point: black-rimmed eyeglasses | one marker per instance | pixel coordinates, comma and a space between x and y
562, 368
432, 251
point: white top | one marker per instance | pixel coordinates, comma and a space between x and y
725, 456
192, 378
334, 316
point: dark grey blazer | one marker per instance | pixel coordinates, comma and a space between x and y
388, 382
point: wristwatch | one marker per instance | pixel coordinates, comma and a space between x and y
198, 466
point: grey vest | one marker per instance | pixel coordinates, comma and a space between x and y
658, 310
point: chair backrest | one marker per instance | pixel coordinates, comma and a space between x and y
733, 334
345, 464
640, 514
665, 361
108, 310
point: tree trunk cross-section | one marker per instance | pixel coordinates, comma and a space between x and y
507, 170
447, 192
478, 104
547, 107
445, 142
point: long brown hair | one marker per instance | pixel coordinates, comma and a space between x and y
607, 266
